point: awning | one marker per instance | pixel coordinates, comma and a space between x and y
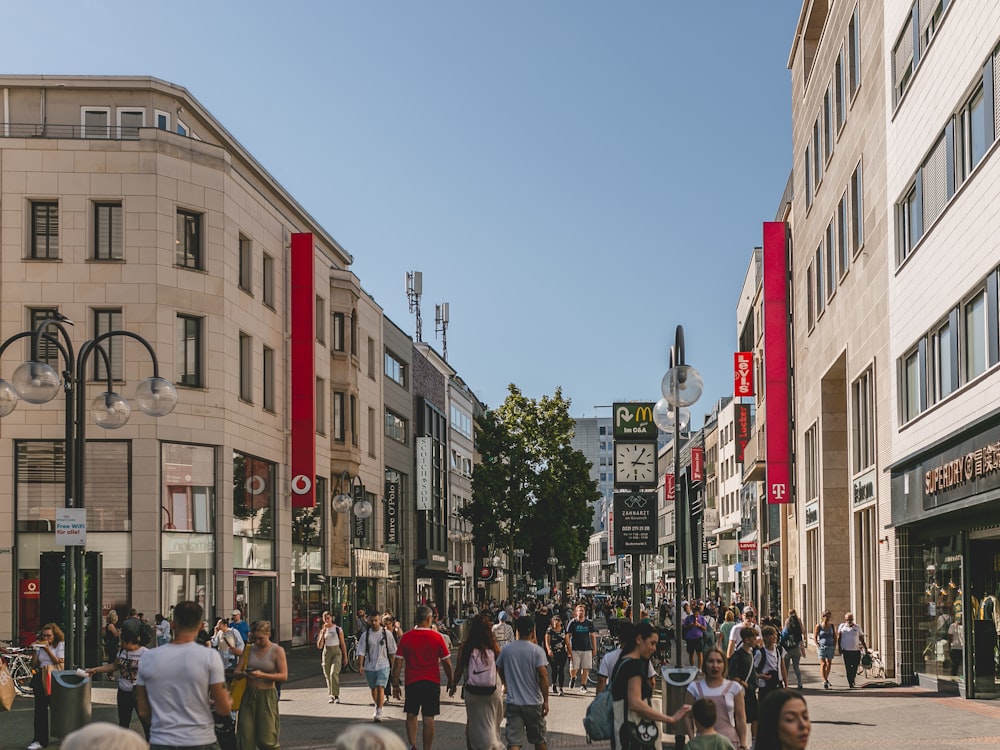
723, 530
751, 537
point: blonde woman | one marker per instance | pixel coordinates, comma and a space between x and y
331, 642
258, 724
50, 651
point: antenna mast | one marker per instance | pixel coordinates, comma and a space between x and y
441, 326
414, 288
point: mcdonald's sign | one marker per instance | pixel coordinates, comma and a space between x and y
634, 421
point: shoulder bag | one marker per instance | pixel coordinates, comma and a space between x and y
239, 687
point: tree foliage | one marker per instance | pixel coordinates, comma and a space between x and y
532, 490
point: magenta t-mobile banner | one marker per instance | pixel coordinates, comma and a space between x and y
776, 389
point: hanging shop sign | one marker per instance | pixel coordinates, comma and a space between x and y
425, 453
391, 510
742, 374
634, 420
303, 375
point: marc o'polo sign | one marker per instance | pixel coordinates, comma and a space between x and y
634, 420
392, 512
635, 523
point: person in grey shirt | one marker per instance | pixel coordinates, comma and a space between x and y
523, 668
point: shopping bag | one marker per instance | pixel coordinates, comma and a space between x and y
7, 691
240, 686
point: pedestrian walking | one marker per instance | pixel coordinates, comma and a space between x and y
726, 695
555, 649
581, 637
110, 637
502, 631
175, 684
793, 644
784, 722
743, 669
229, 643
705, 714
825, 636
126, 666
694, 627
49, 653
851, 639
523, 668
635, 725
770, 665
331, 642
735, 637
163, 630
477, 659
258, 723
424, 653
376, 650
240, 625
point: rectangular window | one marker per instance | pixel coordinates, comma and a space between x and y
811, 463
371, 431
839, 90
268, 282
246, 264
321, 406
913, 383
371, 358
395, 427
95, 122
338, 416
863, 421
354, 332
974, 129
930, 18
831, 261
320, 320
48, 352
106, 321
108, 243
974, 354
189, 253
255, 482
910, 220
269, 378
246, 367
857, 209
828, 123
817, 146
944, 344
903, 60
354, 420
809, 184
461, 422
337, 343
394, 369
44, 230
854, 52
934, 182
189, 369
129, 122
162, 120
843, 254
820, 294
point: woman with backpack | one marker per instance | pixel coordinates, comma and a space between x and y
331, 642
793, 644
477, 660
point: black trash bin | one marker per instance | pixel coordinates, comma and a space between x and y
70, 702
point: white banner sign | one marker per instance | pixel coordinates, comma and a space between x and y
424, 455
71, 527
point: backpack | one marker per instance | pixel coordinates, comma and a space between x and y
708, 640
481, 673
599, 721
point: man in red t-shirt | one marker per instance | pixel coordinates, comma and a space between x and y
424, 652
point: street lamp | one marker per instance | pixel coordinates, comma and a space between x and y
519, 554
553, 561
36, 382
350, 499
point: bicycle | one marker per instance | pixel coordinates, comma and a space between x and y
351, 641
605, 643
18, 663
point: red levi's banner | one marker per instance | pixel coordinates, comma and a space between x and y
668, 487
742, 430
697, 464
611, 534
303, 308
776, 388
742, 374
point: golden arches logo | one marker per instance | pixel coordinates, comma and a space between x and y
643, 414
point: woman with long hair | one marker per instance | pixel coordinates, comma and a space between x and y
111, 637
257, 724
825, 636
483, 703
126, 664
794, 644
727, 695
555, 649
635, 719
331, 642
784, 722
50, 651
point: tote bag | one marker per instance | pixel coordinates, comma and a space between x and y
240, 686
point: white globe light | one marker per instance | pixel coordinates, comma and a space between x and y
8, 398
156, 397
35, 382
682, 385
658, 559
663, 415
363, 509
110, 411
342, 503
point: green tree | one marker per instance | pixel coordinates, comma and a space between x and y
532, 490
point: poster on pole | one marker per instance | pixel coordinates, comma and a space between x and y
71, 527
635, 523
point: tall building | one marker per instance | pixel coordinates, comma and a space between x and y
594, 438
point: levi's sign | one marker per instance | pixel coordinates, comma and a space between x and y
634, 420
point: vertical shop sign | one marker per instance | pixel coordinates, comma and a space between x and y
778, 412
303, 322
742, 374
391, 513
425, 452
697, 464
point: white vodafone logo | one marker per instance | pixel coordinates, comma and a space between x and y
301, 484
256, 485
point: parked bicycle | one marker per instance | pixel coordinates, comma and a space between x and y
18, 662
605, 643
351, 641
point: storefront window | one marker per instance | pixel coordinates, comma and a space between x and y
253, 512
187, 521
940, 616
308, 599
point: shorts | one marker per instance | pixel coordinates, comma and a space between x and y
694, 645
422, 697
377, 677
582, 660
525, 724
826, 652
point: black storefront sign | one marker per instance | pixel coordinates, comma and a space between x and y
391, 506
360, 524
970, 468
635, 523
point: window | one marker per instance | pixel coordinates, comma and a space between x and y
820, 296
246, 264
843, 255
809, 184
129, 122
394, 369
48, 352
461, 421
371, 431
269, 378
189, 239
944, 349
811, 463
857, 209
182, 129
839, 94
162, 120
321, 406
395, 427
910, 220
903, 61
863, 421
974, 359
320, 320
106, 321
831, 261
108, 231
95, 122
371, 358
817, 151
930, 18
246, 367
338, 416
337, 342
913, 385
44, 230
254, 496
354, 420
854, 52
828, 123
354, 332
189, 333
937, 180
974, 129
268, 267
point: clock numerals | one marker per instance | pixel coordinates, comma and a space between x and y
635, 463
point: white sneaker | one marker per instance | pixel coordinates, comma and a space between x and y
378, 714
583, 688
35, 745
331, 699
336, 699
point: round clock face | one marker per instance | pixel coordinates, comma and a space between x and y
635, 463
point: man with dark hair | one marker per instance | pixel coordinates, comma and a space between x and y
174, 684
424, 652
523, 668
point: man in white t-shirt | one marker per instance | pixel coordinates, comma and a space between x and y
735, 641
851, 639
376, 649
176, 684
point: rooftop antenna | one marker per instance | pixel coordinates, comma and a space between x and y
414, 288
441, 326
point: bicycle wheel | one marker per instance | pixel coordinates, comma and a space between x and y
352, 659
21, 675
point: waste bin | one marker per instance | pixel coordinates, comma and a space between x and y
70, 702
675, 684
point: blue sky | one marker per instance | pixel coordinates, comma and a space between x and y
574, 177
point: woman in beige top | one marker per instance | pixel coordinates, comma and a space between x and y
257, 725
331, 642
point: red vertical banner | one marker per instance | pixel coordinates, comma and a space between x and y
611, 534
697, 464
742, 430
776, 386
668, 487
742, 374
303, 377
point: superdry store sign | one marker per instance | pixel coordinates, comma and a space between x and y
635, 523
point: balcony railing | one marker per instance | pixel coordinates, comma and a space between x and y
50, 130
754, 458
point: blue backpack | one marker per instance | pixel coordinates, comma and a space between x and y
599, 721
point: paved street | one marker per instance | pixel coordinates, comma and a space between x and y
879, 716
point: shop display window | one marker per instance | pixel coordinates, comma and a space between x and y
939, 634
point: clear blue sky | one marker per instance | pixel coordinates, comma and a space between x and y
574, 177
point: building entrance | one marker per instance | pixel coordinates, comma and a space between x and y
255, 597
984, 612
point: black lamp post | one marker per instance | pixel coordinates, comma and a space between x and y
350, 498
36, 382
